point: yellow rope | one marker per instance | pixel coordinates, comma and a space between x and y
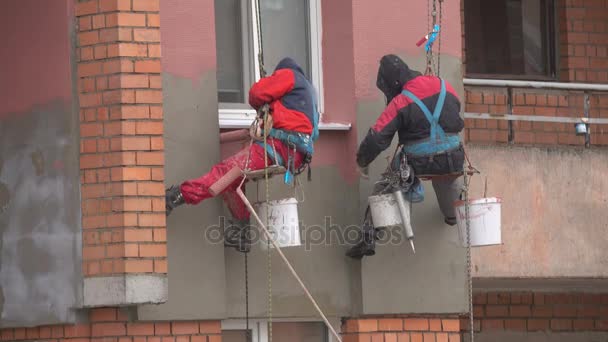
266, 178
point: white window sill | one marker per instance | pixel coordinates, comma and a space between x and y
242, 118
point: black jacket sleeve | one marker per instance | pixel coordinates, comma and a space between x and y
380, 136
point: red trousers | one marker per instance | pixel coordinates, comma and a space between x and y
197, 190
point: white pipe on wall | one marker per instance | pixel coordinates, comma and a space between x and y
535, 84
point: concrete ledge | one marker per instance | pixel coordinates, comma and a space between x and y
125, 290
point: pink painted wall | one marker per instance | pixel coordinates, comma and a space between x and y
356, 34
338, 61
188, 37
394, 26
35, 55
338, 148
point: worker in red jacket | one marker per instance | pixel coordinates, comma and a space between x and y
291, 98
425, 113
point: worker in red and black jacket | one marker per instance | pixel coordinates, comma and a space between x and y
425, 113
292, 103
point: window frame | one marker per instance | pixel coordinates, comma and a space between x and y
235, 115
259, 327
551, 26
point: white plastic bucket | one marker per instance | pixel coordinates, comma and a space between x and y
385, 211
284, 225
485, 224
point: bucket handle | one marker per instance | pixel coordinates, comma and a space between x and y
485, 187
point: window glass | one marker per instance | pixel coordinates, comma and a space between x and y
285, 32
509, 38
229, 44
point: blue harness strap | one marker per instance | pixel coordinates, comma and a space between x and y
438, 140
303, 142
315, 118
433, 118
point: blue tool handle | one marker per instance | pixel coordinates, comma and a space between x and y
288, 179
432, 38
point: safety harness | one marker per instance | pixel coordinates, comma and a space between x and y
295, 141
438, 142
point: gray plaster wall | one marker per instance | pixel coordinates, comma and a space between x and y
395, 280
554, 204
40, 255
40, 219
206, 281
196, 270
327, 213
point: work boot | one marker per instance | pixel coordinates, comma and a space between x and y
173, 199
367, 245
451, 221
237, 236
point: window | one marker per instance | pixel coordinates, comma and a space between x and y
289, 28
510, 39
234, 331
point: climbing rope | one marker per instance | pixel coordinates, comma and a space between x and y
266, 179
260, 40
267, 126
248, 335
247, 332
430, 52
469, 261
434, 29
428, 16
430, 66
439, 38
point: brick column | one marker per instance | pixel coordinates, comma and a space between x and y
121, 126
402, 329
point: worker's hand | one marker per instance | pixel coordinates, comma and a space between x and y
363, 171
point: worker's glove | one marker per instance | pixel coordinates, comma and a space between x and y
255, 130
363, 171
260, 127
263, 109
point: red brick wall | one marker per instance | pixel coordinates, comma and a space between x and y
583, 27
488, 101
121, 127
112, 325
583, 58
549, 312
401, 329
533, 102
